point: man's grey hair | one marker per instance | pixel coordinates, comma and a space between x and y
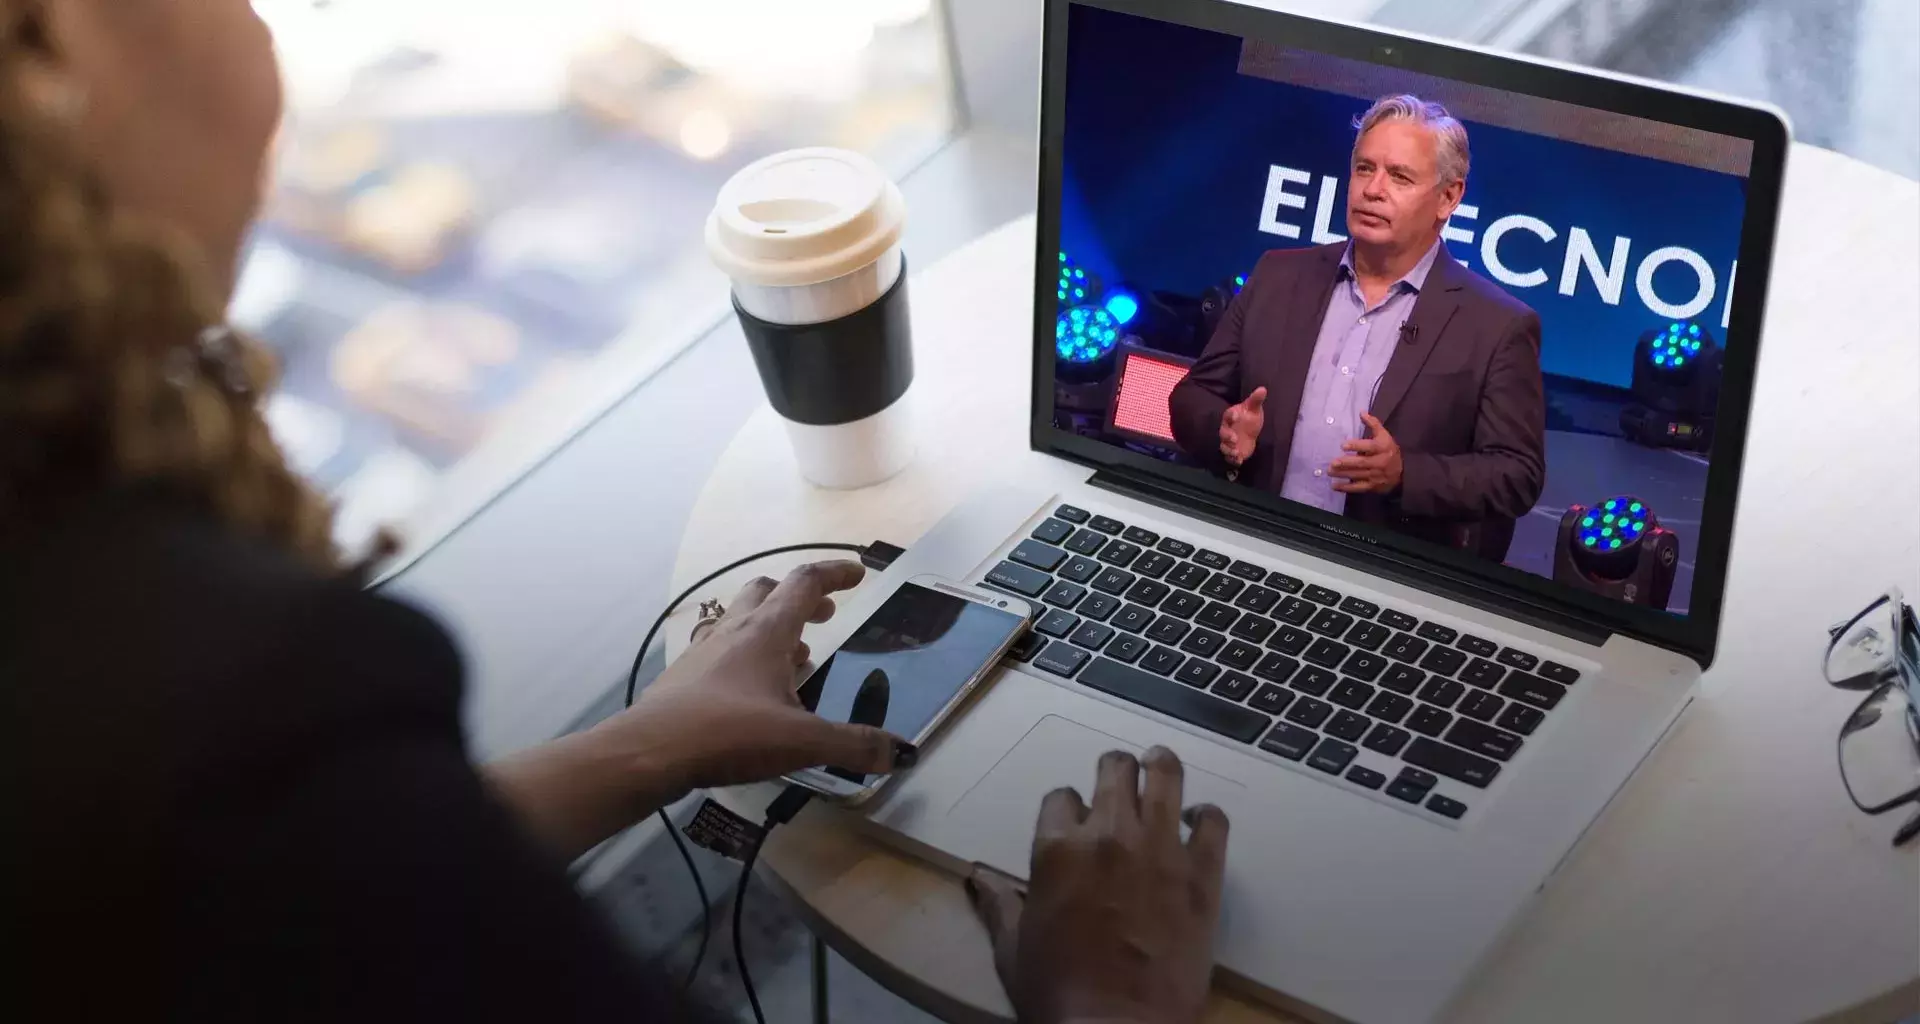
1452, 155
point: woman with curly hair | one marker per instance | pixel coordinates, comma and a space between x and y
238, 787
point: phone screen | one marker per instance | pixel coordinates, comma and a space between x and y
907, 661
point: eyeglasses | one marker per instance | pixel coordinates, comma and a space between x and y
1878, 651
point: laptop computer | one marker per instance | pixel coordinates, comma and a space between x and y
1411, 681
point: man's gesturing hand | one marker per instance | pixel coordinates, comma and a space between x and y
1240, 428
1374, 467
1118, 922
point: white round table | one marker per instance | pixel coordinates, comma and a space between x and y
1730, 881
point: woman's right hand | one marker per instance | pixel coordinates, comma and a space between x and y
1117, 925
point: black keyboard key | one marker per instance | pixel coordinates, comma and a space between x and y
1223, 587
1113, 581
1481, 706
1309, 712
1533, 689
1085, 542
1188, 576
1091, 635
1441, 691
1328, 653
1368, 636
1332, 756
1365, 777
1144, 538
1276, 668
1213, 560
1331, 623
1098, 606
1553, 671
1290, 640
1174, 700
1403, 679
1154, 565
1517, 659
1257, 599
1314, 680
1482, 673
1284, 583
1387, 739
1053, 531
1452, 762
1163, 661
1058, 623
1248, 571
1398, 620
1064, 595
1351, 693
1271, 699
1234, 686
1168, 630
1438, 634
1061, 659
1148, 592
1079, 569
1359, 608
1295, 611
1043, 557
1071, 514
1321, 595
1238, 654
1389, 707
1119, 553
1217, 616
1484, 740
1183, 604
1446, 806
1127, 648
1476, 646
1107, 524
1520, 718
1443, 661
1254, 628
1405, 647
1176, 548
1021, 579
1134, 619
1290, 741
1203, 642
1412, 785
1197, 673
1026, 647
1428, 720
1364, 666
1348, 726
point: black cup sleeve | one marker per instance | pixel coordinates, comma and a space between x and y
835, 372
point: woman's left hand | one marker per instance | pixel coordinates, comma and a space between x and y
727, 709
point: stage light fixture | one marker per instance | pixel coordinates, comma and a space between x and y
1085, 334
1618, 549
1676, 388
1122, 307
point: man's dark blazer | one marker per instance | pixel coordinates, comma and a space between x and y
1462, 395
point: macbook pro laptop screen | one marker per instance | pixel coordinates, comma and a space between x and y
1489, 322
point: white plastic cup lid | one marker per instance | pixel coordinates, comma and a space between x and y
803, 217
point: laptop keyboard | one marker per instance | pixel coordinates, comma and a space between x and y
1264, 658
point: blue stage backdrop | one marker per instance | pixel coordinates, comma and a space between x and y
1181, 171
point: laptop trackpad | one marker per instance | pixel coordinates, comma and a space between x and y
996, 817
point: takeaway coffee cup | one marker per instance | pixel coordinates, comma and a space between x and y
811, 239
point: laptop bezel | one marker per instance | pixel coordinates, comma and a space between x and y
1694, 634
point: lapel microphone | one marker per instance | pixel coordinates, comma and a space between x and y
1409, 334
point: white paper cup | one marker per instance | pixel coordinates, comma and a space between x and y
811, 240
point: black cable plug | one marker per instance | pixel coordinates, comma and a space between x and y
781, 811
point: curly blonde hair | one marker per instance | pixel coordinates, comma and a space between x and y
104, 382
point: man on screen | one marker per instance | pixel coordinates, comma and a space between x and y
1379, 378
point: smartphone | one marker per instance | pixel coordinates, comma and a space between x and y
910, 666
